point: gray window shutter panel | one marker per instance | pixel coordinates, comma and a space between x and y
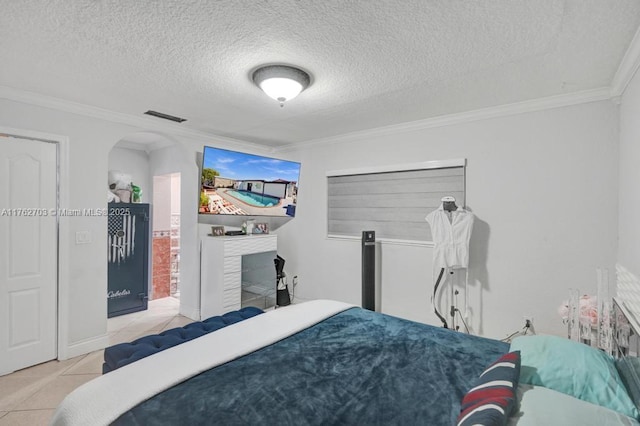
394, 204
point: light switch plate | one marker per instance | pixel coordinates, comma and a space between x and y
83, 237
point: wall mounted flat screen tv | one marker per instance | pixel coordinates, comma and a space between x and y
237, 183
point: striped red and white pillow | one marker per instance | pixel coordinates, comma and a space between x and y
491, 401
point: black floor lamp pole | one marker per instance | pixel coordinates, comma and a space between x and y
369, 270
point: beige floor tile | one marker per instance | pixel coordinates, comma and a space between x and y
150, 324
29, 396
128, 336
27, 418
146, 327
118, 323
165, 301
54, 367
158, 313
178, 321
54, 392
91, 364
14, 390
158, 309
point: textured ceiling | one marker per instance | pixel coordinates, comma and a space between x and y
373, 62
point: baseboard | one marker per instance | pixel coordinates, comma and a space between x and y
84, 347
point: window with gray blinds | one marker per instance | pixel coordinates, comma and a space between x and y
392, 203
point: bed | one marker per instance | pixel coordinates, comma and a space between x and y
330, 363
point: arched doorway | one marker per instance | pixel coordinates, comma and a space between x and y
159, 165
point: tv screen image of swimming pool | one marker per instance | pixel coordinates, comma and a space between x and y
254, 199
239, 183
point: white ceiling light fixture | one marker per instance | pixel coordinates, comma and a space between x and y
281, 82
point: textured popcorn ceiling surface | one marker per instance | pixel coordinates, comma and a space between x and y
373, 62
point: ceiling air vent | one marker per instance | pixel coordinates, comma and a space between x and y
166, 116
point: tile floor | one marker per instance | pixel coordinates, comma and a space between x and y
30, 396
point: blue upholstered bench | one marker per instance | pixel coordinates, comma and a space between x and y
125, 353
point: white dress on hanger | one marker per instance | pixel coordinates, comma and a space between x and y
450, 237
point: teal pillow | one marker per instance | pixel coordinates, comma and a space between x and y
574, 369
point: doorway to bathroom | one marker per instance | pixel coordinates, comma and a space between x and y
165, 265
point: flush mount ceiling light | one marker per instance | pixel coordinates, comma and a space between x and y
281, 82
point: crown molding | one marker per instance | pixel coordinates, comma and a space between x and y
144, 123
540, 104
628, 67
174, 129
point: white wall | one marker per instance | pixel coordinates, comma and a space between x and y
84, 267
629, 214
83, 284
543, 186
176, 159
175, 194
162, 202
135, 163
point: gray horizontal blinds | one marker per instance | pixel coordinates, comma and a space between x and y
394, 204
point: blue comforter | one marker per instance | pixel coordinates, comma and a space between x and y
355, 368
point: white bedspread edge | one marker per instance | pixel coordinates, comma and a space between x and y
102, 400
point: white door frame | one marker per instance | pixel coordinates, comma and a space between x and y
62, 144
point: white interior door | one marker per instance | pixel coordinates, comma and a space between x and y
28, 253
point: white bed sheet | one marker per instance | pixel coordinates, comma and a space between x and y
541, 406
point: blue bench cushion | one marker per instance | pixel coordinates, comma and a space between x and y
122, 354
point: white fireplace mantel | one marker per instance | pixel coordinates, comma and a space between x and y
221, 269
